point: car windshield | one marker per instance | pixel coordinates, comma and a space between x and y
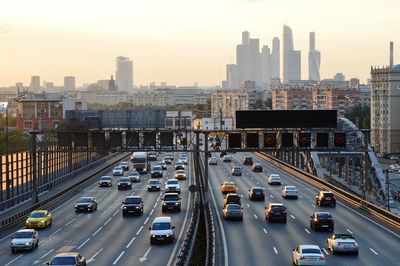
233, 207
229, 184
172, 182
85, 200
324, 215
161, 226
157, 168
118, 168
123, 163
133, 201
237, 168
171, 197
257, 190
310, 251
105, 179
125, 179
328, 195
37, 215
155, 182
23, 235
274, 176
133, 173
344, 236
67, 260
180, 172
161, 163
278, 208
290, 188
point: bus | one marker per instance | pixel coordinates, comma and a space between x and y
140, 162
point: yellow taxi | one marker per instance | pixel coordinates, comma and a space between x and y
39, 219
228, 187
180, 174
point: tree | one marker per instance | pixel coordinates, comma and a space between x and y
17, 142
360, 115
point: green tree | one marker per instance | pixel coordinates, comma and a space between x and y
360, 115
17, 142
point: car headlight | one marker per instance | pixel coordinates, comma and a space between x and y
164, 203
27, 244
42, 221
153, 235
27, 221
124, 208
137, 207
168, 235
119, 183
176, 203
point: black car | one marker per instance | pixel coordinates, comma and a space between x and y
256, 193
132, 205
247, 160
124, 183
257, 167
232, 198
325, 198
276, 212
171, 202
86, 204
322, 221
157, 171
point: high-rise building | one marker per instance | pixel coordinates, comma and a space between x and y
124, 73
232, 76
266, 65
69, 83
248, 59
276, 58
291, 58
314, 60
35, 83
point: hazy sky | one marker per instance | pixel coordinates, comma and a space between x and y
185, 41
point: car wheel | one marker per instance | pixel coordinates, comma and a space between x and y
123, 214
13, 250
51, 222
356, 253
334, 205
311, 225
148, 189
285, 221
332, 228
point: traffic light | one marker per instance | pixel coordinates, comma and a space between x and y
287, 140
252, 140
304, 140
234, 140
270, 140
322, 140
339, 140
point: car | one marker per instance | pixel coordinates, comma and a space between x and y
152, 155
322, 221
105, 181
68, 258
162, 164
233, 212
228, 187
222, 154
157, 171
212, 161
308, 255
153, 185
257, 167
227, 159
171, 202
325, 198
236, 170
275, 211
256, 193
289, 192
162, 230
134, 176
132, 205
342, 243
274, 179
124, 165
183, 158
172, 185
232, 198
180, 175
24, 239
118, 171
170, 155
124, 183
247, 160
39, 219
86, 204
168, 160
179, 166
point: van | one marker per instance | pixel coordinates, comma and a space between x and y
162, 230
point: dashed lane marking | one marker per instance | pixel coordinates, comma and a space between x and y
98, 230
140, 229
275, 250
119, 257
265, 230
130, 242
109, 219
373, 251
308, 232
87, 240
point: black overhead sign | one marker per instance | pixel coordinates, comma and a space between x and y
286, 119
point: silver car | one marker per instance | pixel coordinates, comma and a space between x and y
24, 239
344, 243
308, 255
134, 176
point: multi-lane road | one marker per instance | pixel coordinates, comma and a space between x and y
256, 242
104, 237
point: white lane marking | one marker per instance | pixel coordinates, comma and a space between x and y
146, 220
70, 222
140, 229
248, 205
326, 252
145, 255
119, 257
241, 195
98, 230
102, 197
258, 183
115, 213
255, 216
130, 242
373, 251
46, 254
109, 219
80, 215
265, 230
313, 205
308, 232
62, 205
301, 196
294, 218
87, 240
155, 204
151, 211
94, 256
271, 196
14, 260
275, 250
59, 229
349, 231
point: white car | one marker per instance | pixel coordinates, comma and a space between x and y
24, 239
118, 171
274, 179
134, 176
344, 243
308, 255
172, 185
289, 192
227, 159
213, 161
124, 165
162, 230
183, 159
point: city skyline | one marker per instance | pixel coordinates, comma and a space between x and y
182, 47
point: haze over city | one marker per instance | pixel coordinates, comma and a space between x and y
182, 42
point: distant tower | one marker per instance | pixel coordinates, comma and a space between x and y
69, 83
391, 54
291, 58
124, 73
111, 84
276, 58
314, 60
35, 83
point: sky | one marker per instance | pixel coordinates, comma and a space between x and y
185, 41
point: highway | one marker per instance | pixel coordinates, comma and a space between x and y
256, 242
104, 237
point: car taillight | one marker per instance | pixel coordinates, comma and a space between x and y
284, 212
271, 211
334, 197
322, 258
302, 257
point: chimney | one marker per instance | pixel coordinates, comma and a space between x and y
391, 54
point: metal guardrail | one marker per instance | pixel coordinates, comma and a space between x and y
18, 217
376, 211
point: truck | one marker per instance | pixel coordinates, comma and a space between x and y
140, 162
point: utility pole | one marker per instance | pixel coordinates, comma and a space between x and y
7, 157
35, 196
